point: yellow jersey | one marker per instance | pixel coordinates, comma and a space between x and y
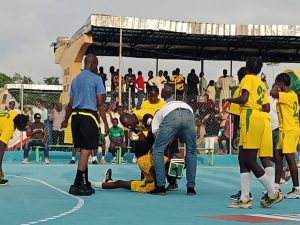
152, 108
140, 113
7, 126
176, 79
235, 108
288, 111
257, 92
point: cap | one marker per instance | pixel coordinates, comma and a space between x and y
11, 100
37, 116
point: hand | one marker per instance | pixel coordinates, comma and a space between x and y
64, 124
106, 129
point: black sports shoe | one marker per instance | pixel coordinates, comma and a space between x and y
89, 186
3, 182
95, 162
190, 191
238, 195
159, 190
72, 161
107, 175
172, 187
81, 190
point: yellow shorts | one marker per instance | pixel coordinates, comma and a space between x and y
142, 185
252, 129
266, 147
288, 141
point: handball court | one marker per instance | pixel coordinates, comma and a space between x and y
38, 194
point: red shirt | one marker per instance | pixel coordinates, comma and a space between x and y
139, 83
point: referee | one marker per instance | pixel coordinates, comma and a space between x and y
86, 98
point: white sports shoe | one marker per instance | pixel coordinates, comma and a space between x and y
46, 161
25, 161
294, 194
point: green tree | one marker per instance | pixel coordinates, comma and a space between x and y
18, 79
51, 80
4, 79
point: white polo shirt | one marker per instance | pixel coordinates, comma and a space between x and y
164, 111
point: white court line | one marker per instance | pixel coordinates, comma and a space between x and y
79, 204
278, 216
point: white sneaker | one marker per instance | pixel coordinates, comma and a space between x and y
25, 161
114, 160
122, 161
46, 161
134, 160
294, 194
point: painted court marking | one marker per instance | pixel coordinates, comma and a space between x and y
79, 204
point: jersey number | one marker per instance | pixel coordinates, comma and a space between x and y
261, 95
296, 111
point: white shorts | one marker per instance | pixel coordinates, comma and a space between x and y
209, 142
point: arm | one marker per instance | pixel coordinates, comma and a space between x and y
275, 91
102, 112
64, 124
266, 108
241, 99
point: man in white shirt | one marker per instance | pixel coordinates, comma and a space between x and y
176, 118
158, 81
57, 116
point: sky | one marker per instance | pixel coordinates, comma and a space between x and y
27, 28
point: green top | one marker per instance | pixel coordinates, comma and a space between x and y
101, 137
116, 133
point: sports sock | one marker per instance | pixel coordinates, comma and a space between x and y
277, 186
271, 174
102, 157
73, 158
79, 179
97, 184
245, 185
265, 180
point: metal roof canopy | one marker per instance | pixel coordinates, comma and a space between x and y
151, 38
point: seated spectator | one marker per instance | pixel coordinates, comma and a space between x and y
102, 144
37, 131
224, 133
117, 138
212, 127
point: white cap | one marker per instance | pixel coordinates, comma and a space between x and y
11, 100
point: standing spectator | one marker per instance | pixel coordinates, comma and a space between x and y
176, 118
117, 138
211, 90
150, 76
12, 106
9, 121
40, 108
202, 84
104, 78
179, 83
192, 88
38, 137
86, 98
225, 83
130, 80
158, 81
212, 127
167, 76
57, 116
140, 86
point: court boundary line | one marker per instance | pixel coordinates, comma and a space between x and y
290, 217
79, 204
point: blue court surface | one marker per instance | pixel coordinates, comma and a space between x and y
38, 194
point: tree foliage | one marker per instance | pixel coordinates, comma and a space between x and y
18, 79
51, 80
4, 79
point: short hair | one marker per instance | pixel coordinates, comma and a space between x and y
254, 65
241, 73
115, 119
21, 119
284, 78
153, 89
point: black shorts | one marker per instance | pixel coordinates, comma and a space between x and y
85, 130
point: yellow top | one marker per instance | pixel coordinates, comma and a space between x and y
140, 113
7, 126
235, 108
288, 111
178, 78
152, 108
257, 92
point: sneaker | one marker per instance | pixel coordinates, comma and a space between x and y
269, 202
172, 187
190, 191
72, 161
102, 161
238, 195
25, 161
134, 160
294, 194
159, 190
239, 204
82, 190
95, 162
107, 175
264, 198
46, 161
114, 160
89, 186
3, 182
122, 161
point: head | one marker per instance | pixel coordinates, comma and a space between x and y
283, 81
21, 121
201, 74
38, 103
101, 70
91, 63
160, 73
167, 92
129, 70
59, 106
153, 94
12, 104
150, 74
37, 117
140, 73
115, 122
177, 71
241, 73
225, 73
112, 69
254, 65
165, 73
211, 83
128, 120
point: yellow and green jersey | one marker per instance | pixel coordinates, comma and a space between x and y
7, 126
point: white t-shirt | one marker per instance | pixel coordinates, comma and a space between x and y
273, 113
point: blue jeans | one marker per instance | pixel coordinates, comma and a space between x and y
35, 142
179, 122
